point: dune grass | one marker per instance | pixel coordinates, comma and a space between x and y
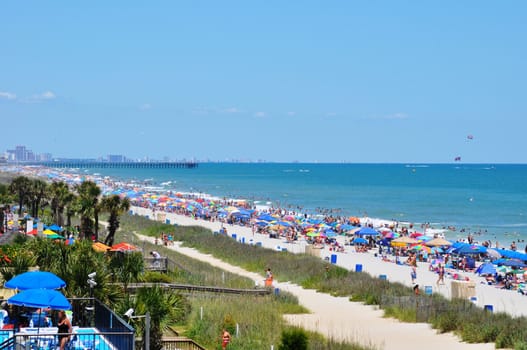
259, 318
472, 324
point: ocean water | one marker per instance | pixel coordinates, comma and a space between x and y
489, 200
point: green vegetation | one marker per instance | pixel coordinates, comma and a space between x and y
472, 324
293, 339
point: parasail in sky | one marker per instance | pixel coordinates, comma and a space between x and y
470, 137
457, 159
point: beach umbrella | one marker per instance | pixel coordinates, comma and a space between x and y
436, 250
54, 236
40, 298
55, 228
360, 240
493, 253
124, 247
504, 269
49, 232
366, 231
416, 235
404, 240
438, 242
420, 247
314, 234
486, 269
512, 263
35, 279
470, 249
266, 217
390, 234
100, 247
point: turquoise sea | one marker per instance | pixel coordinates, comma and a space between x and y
480, 198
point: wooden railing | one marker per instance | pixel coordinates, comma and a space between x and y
177, 343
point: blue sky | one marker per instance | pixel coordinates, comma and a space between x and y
357, 81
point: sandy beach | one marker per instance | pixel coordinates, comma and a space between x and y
335, 317
501, 300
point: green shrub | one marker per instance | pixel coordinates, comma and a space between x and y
293, 339
156, 277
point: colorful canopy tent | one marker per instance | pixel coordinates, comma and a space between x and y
35, 279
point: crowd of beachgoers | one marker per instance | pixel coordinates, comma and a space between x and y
391, 240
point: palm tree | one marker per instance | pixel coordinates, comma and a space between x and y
116, 206
88, 204
165, 307
71, 209
61, 197
36, 196
20, 186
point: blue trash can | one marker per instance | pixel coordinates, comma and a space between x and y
333, 259
383, 277
258, 244
243, 240
234, 236
167, 221
284, 249
428, 290
489, 308
276, 291
358, 268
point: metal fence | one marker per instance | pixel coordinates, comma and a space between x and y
425, 307
96, 326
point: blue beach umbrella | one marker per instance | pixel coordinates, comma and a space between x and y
55, 228
266, 217
470, 249
486, 269
513, 263
40, 298
35, 279
366, 231
360, 240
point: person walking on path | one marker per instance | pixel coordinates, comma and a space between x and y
268, 278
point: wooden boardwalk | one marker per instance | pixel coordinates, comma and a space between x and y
207, 289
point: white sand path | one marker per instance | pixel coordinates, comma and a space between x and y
341, 319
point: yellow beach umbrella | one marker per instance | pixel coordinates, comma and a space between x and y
49, 232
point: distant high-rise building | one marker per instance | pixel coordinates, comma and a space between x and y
116, 158
20, 153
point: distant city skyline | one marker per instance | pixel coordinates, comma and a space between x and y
360, 82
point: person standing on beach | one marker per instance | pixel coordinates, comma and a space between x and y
441, 272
